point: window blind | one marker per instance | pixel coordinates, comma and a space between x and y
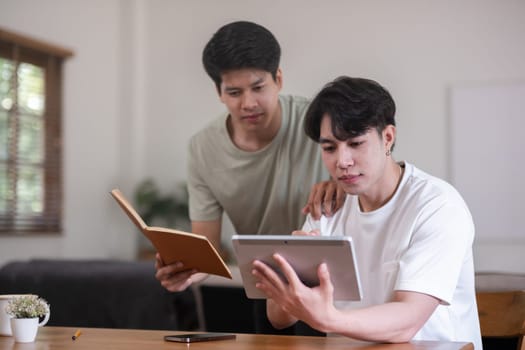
30, 135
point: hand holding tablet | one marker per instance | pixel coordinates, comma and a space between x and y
304, 254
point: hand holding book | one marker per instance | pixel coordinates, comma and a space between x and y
193, 250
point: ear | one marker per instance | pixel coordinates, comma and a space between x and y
279, 78
389, 136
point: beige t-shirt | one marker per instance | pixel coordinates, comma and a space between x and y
262, 192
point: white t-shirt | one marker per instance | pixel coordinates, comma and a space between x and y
421, 241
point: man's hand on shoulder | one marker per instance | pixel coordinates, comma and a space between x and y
325, 198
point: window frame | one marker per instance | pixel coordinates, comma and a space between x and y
23, 49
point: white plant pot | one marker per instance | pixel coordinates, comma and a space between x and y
5, 323
25, 329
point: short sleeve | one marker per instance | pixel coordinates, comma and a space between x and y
439, 247
203, 206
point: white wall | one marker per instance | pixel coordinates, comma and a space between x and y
156, 91
95, 91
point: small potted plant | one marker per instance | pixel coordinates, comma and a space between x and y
26, 312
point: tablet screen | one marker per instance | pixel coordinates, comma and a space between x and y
304, 253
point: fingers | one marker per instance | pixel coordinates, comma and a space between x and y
309, 207
273, 284
287, 270
324, 279
315, 232
316, 207
172, 278
325, 198
158, 261
306, 209
328, 198
179, 284
267, 279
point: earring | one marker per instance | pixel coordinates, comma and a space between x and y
388, 153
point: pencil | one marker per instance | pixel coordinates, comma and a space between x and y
76, 335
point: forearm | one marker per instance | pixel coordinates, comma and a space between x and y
395, 321
277, 316
383, 323
210, 229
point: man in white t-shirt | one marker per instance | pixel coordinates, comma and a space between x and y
413, 233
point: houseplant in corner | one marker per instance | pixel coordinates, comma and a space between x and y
26, 312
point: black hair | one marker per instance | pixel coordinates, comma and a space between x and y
239, 45
355, 105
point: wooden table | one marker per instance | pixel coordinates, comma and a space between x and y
50, 338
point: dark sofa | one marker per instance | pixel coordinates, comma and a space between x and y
101, 293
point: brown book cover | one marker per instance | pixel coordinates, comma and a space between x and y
193, 250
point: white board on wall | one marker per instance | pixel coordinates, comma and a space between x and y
487, 152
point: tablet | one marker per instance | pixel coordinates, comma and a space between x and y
304, 253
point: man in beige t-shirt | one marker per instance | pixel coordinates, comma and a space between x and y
255, 161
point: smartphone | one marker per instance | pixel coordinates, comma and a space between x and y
194, 337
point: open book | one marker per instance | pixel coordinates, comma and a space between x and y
194, 251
